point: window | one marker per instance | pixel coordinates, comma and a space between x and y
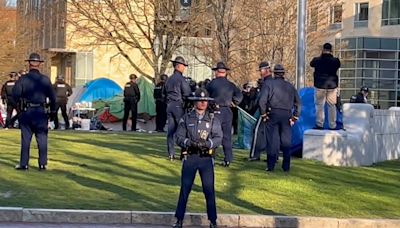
361, 15
391, 12
84, 68
336, 17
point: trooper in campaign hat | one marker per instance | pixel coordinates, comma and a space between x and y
34, 57
279, 69
198, 145
220, 66
179, 60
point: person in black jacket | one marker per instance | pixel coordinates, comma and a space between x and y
161, 104
360, 97
6, 96
62, 91
131, 98
326, 82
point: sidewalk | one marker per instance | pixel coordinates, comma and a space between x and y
20, 217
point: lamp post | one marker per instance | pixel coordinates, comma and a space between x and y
301, 43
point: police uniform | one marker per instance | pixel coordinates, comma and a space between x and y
259, 141
360, 97
6, 94
131, 98
62, 91
199, 135
279, 103
176, 91
225, 93
161, 104
31, 91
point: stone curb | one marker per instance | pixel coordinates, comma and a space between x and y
9, 214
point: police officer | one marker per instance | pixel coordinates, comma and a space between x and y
224, 93
259, 142
6, 95
361, 97
131, 98
32, 91
63, 91
199, 133
280, 108
177, 89
161, 104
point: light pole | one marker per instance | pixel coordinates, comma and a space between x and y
301, 43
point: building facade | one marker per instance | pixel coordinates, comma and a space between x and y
367, 40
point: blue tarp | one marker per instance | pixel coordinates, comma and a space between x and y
306, 121
100, 89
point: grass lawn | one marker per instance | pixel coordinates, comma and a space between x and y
130, 172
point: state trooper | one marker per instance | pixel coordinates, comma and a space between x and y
360, 97
259, 142
280, 107
161, 104
176, 90
198, 134
131, 98
225, 94
31, 91
6, 96
62, 90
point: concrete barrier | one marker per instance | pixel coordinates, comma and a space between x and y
21, 215
370, 136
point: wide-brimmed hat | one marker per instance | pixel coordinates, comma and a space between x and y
220, 66
263, 65
34, 57
201, 94
278, 68
180, 60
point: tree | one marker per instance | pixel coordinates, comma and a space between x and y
153, 27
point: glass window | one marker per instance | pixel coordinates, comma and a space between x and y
347, 83
371, 83
388, 74
348, 64
313, 25
371, 54
387, 95
388, 64
372, 43
347, 73
387, 55
361, 15
370, 74
347, 93
336, 16
389, 44
349, 43
391, 12
371, 64
387, 84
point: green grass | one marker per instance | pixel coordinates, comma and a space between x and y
130, 172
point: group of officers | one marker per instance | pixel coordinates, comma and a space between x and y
200, 130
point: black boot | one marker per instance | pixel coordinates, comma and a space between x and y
21, 167
213, 225
178, 224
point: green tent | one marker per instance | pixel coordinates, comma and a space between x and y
115, 112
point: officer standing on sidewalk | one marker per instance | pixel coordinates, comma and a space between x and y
198, 134
280, 108
31, 92
224, 93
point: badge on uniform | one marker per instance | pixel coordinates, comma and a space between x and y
204, 134
207, 125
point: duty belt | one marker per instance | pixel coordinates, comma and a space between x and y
202, 153
34, 105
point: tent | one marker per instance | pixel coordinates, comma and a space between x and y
112, 109
100, 89
307, 121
